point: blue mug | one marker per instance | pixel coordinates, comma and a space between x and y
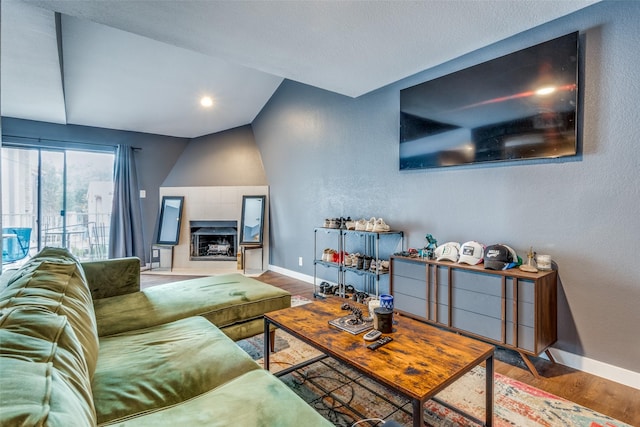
386, 301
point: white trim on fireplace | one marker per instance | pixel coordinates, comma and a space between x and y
213, 203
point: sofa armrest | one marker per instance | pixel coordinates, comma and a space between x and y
112, 277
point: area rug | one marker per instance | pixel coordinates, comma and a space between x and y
344, 396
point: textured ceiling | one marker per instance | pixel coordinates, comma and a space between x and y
142, 65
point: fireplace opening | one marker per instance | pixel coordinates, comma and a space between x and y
213, 240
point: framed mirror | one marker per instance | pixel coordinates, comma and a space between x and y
169, 221
252, 220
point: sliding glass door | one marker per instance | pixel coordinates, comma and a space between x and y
51, 206
62, 196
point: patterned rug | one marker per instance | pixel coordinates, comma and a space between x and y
344, 396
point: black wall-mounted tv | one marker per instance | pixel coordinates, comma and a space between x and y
519, 106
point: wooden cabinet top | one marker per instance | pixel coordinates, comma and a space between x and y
512, 272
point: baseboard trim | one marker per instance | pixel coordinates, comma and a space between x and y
596, 367
575, 361
291, 273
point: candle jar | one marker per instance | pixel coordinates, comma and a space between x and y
544, 262
373, 304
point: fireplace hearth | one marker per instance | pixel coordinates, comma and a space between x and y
213, 240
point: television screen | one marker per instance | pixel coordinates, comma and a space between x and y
519, 106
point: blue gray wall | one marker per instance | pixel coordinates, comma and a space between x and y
224, 158
326, 155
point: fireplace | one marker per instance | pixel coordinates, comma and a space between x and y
213, 240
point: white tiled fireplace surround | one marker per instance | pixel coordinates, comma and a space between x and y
213, 204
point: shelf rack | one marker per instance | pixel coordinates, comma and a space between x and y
377, 245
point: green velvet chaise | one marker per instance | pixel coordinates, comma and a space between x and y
80, 345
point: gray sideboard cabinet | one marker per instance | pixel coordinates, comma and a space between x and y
511, 308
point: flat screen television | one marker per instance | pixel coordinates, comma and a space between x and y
516, 107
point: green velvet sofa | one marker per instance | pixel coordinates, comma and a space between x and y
75, 351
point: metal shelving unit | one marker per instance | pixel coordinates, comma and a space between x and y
377, 245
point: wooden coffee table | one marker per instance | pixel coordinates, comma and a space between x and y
420, 362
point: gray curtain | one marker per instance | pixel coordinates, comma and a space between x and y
126, 237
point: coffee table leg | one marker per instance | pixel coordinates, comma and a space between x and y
267, 346
489, 390
418, 413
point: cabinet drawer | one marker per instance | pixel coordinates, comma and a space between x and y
442, 312
443, 294
477, 324
410, 304
414, 270
526, 337
477, 282
476, 302
439, 274
526, 290
526, 313
410, 287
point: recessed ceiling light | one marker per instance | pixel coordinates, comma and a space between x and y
206, 101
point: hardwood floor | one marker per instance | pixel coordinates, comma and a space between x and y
601, 395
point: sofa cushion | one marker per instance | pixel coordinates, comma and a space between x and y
224, 300
256, 398
44, 378
111, 277
152, 368
54, 281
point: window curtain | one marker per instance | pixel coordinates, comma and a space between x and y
126, 236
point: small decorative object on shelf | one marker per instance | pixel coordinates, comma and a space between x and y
530, 266
429, 250
357, 316
544, 262
353, 323
386, 301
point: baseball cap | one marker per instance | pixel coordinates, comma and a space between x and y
516, 259
447, 252
498, 257
471, 253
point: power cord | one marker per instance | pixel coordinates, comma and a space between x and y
390, 422
380, 420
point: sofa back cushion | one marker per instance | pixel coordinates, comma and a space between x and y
48, 344
45, 379
111, 277
53, 281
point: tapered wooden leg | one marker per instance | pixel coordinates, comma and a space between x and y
272, 340
550, 356
529, 364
